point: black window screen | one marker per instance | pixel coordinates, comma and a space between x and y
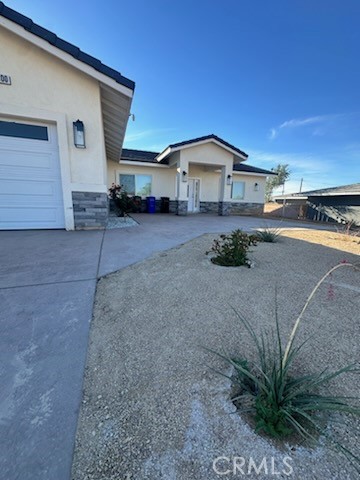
22, 130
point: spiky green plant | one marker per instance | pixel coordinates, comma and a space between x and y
280, 402
268, 234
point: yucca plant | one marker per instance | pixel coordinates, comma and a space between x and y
268, 234
281, 403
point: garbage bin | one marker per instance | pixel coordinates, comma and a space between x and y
136, 204
165, 204
150, 204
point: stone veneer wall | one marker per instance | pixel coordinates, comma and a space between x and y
209, 207
244, 208
232, 208
181, 207
172, 206
91, 210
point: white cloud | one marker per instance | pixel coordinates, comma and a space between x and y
303, 122
306, 162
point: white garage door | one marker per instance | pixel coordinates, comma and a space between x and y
30, 177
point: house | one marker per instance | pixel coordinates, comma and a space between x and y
338, 204
63, 115
205, 174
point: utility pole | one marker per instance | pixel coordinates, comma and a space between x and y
283, 192
301, 182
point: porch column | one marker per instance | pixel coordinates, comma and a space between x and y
225, 190
182, 186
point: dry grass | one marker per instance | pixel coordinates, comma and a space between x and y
339, 241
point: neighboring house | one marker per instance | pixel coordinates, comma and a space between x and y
338, 204
46, 85
205, 174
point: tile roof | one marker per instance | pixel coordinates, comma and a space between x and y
139, 155
145, 156
66, 47
209, 137
240, 167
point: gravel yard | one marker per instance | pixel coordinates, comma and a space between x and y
153, 408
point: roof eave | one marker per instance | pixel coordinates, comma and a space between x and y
172, 149
20, 30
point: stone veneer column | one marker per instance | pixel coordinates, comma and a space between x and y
91, 210
181, 207
224, 208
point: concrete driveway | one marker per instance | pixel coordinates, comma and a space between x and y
47, 286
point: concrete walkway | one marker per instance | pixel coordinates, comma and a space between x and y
47, 286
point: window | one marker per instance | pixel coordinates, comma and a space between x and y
238, 190
136, 184
22, 130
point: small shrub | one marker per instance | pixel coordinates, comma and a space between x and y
281, 403
123, 203
268, 234
231, 250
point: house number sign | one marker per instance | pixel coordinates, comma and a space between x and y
5, 79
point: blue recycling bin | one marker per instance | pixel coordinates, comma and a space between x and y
150, 204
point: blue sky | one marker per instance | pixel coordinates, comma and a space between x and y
279, 79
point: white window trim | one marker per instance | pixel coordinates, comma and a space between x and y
238, 199
144, 174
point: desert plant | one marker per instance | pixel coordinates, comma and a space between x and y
231, 250
350, 230
122, 201
268, 234
280, 402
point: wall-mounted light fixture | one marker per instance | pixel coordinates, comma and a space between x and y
79, 134
256, 187
184, 176
229, 180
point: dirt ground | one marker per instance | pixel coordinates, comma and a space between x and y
154, 406
332, 239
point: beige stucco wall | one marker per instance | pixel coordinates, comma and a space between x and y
209, 182
42, 82
207, 153
163, 179
251, 195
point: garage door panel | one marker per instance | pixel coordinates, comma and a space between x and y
30, 183
11, 161
25, 217
30, 191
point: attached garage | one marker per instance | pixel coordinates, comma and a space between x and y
50, 93
30, 177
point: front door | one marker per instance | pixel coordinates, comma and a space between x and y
193, 195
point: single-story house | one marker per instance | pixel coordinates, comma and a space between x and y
205, 174
63, 115
337, 204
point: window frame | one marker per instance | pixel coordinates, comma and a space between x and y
135, 175
232, 189
24, 131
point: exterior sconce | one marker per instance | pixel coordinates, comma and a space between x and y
256, 187
184, 176
79, 134
229, 180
